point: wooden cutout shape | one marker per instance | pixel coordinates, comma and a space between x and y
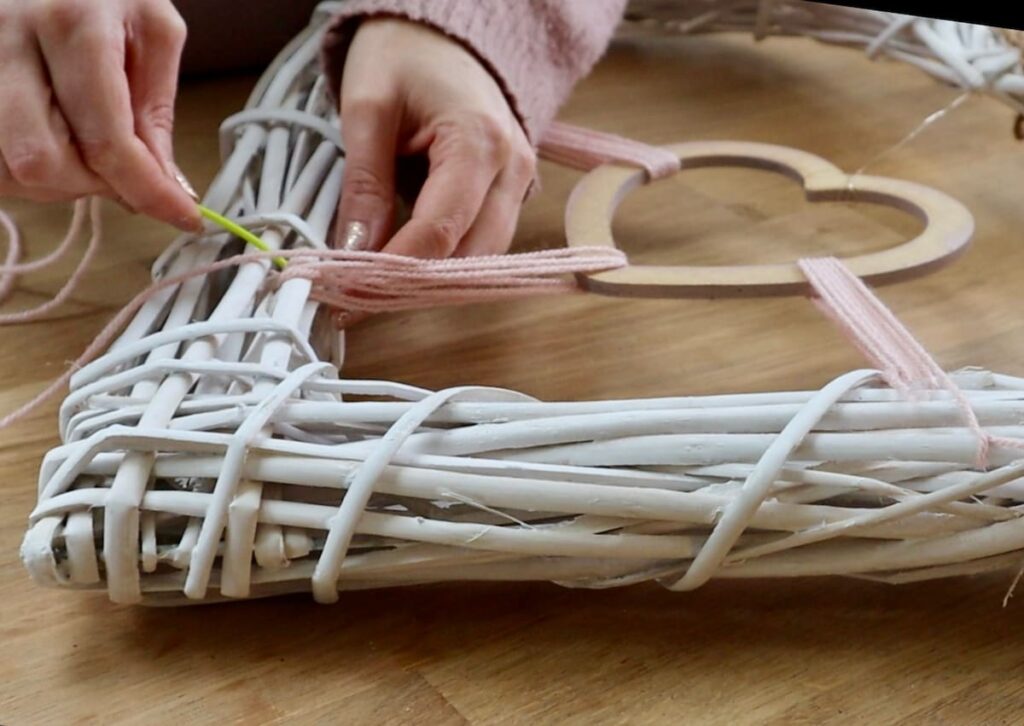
948, 225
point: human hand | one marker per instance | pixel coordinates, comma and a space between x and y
87, 92
409, 90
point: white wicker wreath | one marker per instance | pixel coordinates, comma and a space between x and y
213, 452
973, 57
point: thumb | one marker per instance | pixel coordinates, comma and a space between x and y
369, 130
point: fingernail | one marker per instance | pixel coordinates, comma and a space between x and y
191, 224
184, 183
356, 238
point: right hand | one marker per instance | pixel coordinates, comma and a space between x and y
87, 91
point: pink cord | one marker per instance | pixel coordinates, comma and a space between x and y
12, 268
374, 282
581, 148
886, 342
365, 281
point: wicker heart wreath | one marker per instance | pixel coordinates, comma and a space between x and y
213, 452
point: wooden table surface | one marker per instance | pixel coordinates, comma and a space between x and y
811, 651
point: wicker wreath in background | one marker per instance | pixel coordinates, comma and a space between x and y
213, 452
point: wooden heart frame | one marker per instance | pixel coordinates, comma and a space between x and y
948, 225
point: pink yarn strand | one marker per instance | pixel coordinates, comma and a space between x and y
10, 271
9, 274
886, 343
7, 279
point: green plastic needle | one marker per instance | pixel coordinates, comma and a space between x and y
239, 231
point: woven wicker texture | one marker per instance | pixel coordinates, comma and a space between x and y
213, 452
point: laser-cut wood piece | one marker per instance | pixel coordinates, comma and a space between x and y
948, 225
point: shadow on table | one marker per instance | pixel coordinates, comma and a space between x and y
420, 624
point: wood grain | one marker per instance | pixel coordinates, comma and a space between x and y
779, 653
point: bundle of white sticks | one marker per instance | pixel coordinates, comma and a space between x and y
213, 452
974, 57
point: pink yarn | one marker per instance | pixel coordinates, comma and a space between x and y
884, 341
581, 148
11, 268
374, 282
870, 325
9, 275
396, 283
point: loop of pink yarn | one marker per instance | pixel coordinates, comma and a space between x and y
11, 268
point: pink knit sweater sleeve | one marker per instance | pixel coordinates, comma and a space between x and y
537, 49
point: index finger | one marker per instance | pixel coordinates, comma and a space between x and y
452, 196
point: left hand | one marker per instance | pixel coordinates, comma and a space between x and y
409, 90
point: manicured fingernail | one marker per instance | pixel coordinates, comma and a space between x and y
184, 183
191, 224
356, 238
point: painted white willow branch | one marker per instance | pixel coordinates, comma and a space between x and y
212, 452
973, 57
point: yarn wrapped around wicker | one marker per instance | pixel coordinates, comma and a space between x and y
213, 452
